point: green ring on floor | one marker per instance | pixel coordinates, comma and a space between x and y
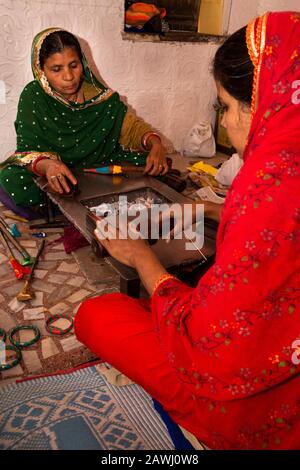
25, 344
54, 330
2, 335
15, 362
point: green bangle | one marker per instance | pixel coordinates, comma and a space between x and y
15, 362
20, 345
2, 335
54, 330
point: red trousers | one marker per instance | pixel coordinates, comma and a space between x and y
120, 331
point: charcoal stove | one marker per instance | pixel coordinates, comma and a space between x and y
96, 189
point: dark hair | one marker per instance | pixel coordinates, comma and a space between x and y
233, 68
57, 42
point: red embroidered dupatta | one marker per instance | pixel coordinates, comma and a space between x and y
230, 339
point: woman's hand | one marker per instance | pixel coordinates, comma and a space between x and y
57, 174
156, 163
134, 253
177, 223
124, 249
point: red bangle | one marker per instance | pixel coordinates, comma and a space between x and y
146, 137
34, 163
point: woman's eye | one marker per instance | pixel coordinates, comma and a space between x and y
222, 108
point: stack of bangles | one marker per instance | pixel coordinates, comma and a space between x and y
34, 163
161, 280
54, 330
17, 345
146, 138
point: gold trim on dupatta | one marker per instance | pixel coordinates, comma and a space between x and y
256, 43
25, 158
42, 79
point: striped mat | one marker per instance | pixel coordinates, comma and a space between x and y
79, 410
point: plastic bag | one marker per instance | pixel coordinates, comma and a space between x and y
199, 142
229, 170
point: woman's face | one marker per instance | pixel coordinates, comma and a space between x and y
236, 119
63, 71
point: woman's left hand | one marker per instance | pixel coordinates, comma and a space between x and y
156, 163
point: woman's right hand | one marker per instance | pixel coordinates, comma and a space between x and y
57, 174
211, 210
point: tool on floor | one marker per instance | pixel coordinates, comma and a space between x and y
26, 293
27, 259
18, 269
17, 217
39, 235
14, 231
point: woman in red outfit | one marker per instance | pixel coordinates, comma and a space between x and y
219, 357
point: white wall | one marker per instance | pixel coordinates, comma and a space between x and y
278, 5
168, 84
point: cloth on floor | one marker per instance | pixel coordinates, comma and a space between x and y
22, 211
179, 440
72, 239
113, 376
197, 445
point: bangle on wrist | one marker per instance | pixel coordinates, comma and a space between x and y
146, 137
34, 163
161, 279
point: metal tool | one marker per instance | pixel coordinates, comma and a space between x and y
17, 268
198, 249
17, 217
26, 293
27, 259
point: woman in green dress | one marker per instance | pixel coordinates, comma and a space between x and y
66, 119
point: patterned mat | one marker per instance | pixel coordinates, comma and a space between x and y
79, 410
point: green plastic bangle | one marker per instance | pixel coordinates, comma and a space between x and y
20, 345
15, 362
2, 335
54, 330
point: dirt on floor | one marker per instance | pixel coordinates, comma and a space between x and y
61, 282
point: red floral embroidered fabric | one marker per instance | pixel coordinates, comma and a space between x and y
220, 357
230, 339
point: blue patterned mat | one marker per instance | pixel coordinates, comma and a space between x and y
79, 410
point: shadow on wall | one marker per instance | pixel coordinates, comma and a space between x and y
89, 56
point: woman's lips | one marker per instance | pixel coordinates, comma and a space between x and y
70, 87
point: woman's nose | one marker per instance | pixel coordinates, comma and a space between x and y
68, 75
223, 121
